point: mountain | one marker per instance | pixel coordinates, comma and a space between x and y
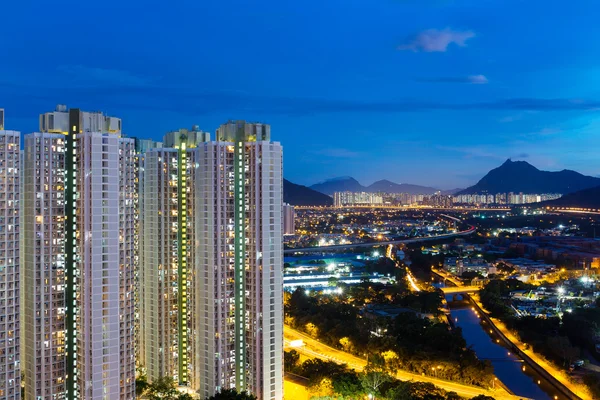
298, 195
341, 184
451, 192
520, 176
587, 198
386, 186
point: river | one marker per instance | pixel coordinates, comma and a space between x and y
510, 369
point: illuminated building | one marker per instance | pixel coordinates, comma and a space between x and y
10, 333
342, 199
212, 264
79, 259
167, 256
238, 282
141, 147
289, 216
438, 200
505, 198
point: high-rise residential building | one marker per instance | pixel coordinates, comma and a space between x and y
212, 271
237, 284
341, 199
1, 119
141, 147
10, 331
79, 263
289, 219
167, 256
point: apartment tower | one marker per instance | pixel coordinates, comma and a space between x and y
167, 255
79, 258
10, 369
237, 283
212, 306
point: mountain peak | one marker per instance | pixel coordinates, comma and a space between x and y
520, 176
339, 184
340, 179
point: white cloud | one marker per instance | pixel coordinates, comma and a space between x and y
435, 40
477, 79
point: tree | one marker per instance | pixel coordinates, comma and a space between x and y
562, 347
482, 397
141, 384
232, 394
163, 388
417, 390
290, 360
375, 375
347, 384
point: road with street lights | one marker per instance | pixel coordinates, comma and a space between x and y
312, 348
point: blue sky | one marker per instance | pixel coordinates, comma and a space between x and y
432, 92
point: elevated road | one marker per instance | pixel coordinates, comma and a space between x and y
321, 249
312, 348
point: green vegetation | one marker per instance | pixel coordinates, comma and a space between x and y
332, 381
406, 342
496, 297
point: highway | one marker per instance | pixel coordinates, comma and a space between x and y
322, 249
312, 348
405, 208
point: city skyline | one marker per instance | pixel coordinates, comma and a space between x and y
466, 84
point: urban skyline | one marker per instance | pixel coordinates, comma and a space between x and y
456, 83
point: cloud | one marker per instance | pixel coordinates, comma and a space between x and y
85, 74
434, 40
522, 155
474, 79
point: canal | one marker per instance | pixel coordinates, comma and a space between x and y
511, 370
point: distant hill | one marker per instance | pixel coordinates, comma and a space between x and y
349, 184
451, 192
298, 195
392, 187
341, 184
520, 176
587, 198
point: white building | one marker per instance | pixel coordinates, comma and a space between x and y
289, 219
141, 147
79, 258
342, 199
237, 284
167, 250
212, 272
10, 332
